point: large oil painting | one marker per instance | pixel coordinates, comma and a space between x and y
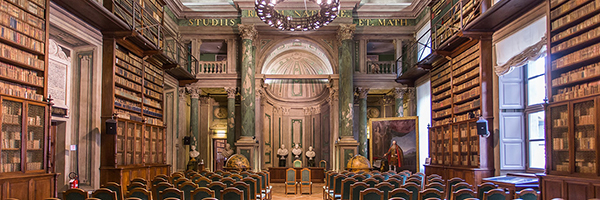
384, 132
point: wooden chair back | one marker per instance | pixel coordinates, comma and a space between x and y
171, 193
202, 193
104, 194
75, 194
495, 194
371, 194
232, 193
355, 190
401, 193
141, 193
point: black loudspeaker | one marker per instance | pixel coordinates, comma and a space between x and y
482, 127
111, 127
187, 140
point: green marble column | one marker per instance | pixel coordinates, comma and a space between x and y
362, 121
194, 129
248, 70
399, 96
346, 88
231, 116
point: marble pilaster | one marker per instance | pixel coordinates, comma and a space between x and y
231, 92
194, 122
362, 121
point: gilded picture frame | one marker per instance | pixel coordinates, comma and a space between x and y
403, 130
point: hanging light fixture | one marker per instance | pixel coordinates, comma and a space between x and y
265, 10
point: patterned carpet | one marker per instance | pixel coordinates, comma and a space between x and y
279, 190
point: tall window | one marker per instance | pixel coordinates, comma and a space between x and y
535, 87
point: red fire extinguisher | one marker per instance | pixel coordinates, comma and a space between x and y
73, 180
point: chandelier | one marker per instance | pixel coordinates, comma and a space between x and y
265, 10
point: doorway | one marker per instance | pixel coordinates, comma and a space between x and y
219, 146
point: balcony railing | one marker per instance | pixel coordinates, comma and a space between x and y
381, 67
212, 67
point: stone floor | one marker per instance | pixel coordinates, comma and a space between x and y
279, 192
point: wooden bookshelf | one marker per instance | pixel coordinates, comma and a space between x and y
457, 102
134, 95
26, 148
571, 122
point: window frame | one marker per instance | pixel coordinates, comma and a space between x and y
530, 109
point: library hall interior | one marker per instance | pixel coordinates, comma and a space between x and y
299, 99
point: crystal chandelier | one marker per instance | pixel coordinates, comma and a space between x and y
265, 10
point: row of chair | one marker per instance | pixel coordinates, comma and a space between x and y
305, 180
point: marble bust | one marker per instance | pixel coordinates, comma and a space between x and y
310, 154
282, 153
227, 152
297, 151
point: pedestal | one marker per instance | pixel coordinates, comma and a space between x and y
247, 147
347, 149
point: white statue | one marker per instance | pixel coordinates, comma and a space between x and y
282, 153
194, 153
227, 152
310, 154
297, 151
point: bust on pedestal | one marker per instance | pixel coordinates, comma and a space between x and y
297, 151
282, 153
193, 163
310, 155
227, 152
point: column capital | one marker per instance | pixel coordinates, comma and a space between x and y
194, 91
346, 31
362, 92
182, 92
399, 92
204, 100
231, 92
316, 110
285, 111
307, 111
247, 31
411, 91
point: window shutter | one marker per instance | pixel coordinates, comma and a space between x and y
512, 121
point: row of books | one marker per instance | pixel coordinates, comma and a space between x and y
442, 87
11, 143
152, 73
441, 72
19, 90
437, 82
574, 29
22, 57
469, 75
152, 102
21, 39
23, 27
467, 84
123, 114
17, 73
562, 121
34, 144
154, 70
586, 143
442, 113
442, 122
153, 86
585, 120
153, 121
30, 6
575, 15
469, 54
444, 103
467, 106
553, 3
442, 95
560, 144
155, 80
34, 165
131, 76
121, 63
11, 167
467, 116
577, 91
468, 94
153, 94
11, 119
128, 57
472, 64
592, 34
153, 112
129, 84
128, 104
23, 15
566, 8
128, 94
35, 121
577, 74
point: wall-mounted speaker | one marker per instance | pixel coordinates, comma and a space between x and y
111, 126
482, 127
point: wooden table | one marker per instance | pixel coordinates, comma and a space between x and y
514, 182
317, 174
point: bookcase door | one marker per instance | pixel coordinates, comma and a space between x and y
35, 136
559, 135
11, 136
121, 141
584, 119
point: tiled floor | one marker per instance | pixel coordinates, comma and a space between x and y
279, 193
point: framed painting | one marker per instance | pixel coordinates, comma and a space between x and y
404, 131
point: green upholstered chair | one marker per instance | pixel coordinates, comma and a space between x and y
245, 188
140, 180
386, 188
430, 193
432, 176
305, 180
379, 178
228, 181
158, 180
226, 174
104, 194
346, 183
368, 175
407, 172
187, 189
355, 190
159, 188
217, 187
323, 164
141, 193
395, 182
251, 185
415, 180
203, 182
203, 173
75, 194
437, 186
495, 194
371, 182
435, 180
483, 188
171, 193
451, 183
215, 177
460, 186
245, 174
134, 185
259, 181
175, 177
359, 177
337, 187
463, 194
329, 180
265, 187
232, 193
297, 163
414, 188
115, 187
385, 175
220, 173
201, 193
195, 177
180, 181
163, 176
403, 179
290, 180
236, 177
401, 193
371, 194
527, 194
